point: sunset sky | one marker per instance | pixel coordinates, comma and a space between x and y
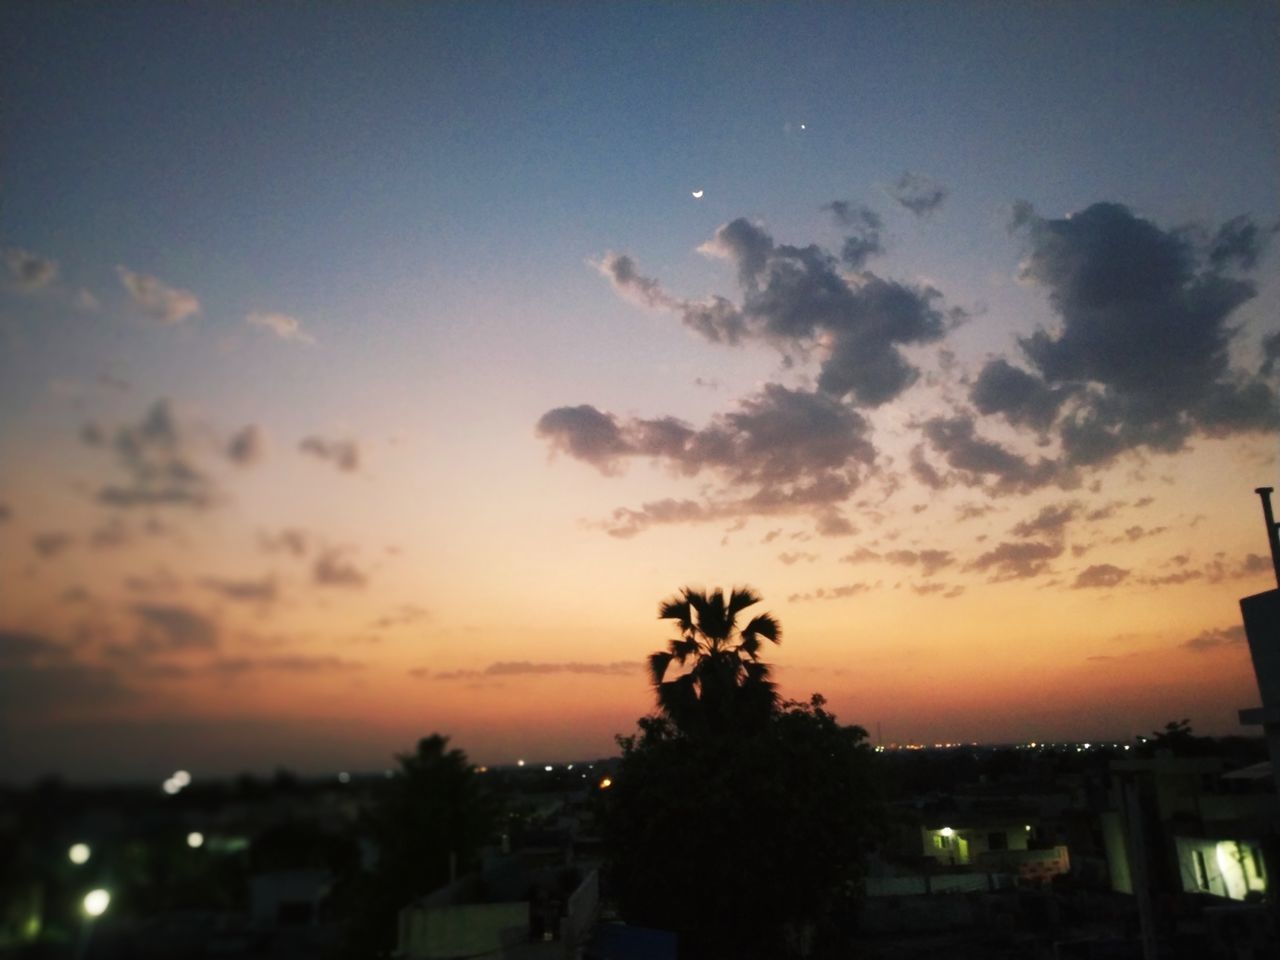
369, 370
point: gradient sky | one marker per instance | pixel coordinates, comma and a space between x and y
370, 370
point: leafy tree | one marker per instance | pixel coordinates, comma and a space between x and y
728, 684
433, 814
734, 819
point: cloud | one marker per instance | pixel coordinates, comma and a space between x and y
980, 462
788, 558
1051, 521
715, 318
798, 300
863, 240
51, 544
523, 668
406, 615
170, 627
946, 591
159, 469
780, 451
918, 193
1215, 639
1141, 357
930, 561
284, 326
6, 512
1017, 561
235, 666
343, 454
333, 569
1023, 399
831, 593
261, 591
167, 304
289, 540
1100, 575
29, 272
247, 446
38, 675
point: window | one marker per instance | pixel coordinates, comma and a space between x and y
1202, 874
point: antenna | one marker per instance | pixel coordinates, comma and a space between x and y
1273, 529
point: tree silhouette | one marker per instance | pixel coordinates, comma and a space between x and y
728, 686
734, 819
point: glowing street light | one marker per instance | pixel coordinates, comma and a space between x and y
947, 832
79, 853
606, 783
96, 902
181, 778
195, 839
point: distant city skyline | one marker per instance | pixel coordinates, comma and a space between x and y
375, 370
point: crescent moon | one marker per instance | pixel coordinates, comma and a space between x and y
697, 194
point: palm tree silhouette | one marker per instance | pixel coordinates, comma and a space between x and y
728, 686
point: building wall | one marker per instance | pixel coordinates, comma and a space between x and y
464, 930
1221, 868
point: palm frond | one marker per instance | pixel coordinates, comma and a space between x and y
658, 663
683, 649
740, 599
677, 608
763, 626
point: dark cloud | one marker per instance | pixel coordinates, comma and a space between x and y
247, 446
406, 615
38, 675
1023, 399
1215, 639
289, 540
1143, 346
930, 561
1270, 354
159, 469
333, 568
6, 512
863, 240
170, 627
1239, 243
52, 544
830, 522
781, 451
260, 591
343, 454
918, 193
1100, 575
975, 461
235, 666
715, 318
797, 299
831, 593
1017, 561
946, 591
168, 304
1050, 521
524, 668
29, 272
788, 558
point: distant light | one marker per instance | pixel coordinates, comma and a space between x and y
570, 767
482, 769
947, 832
344, 777
1126, 746
548, 768
171, 786
79, 853
181, 778
803, 127
389, 774
1028, 828
519, 763
606, 783
96, 902
1088, 745
195, 839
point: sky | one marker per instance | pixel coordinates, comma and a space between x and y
373, 370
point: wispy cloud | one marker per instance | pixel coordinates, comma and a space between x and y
170, 305
283, 325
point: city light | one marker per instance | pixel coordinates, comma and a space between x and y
195, 839
519, 763
181, 778
344, 777
96, 902
171, 786
947, 832
548, 768
79, 853
606, 783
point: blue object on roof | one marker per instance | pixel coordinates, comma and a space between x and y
617, 941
